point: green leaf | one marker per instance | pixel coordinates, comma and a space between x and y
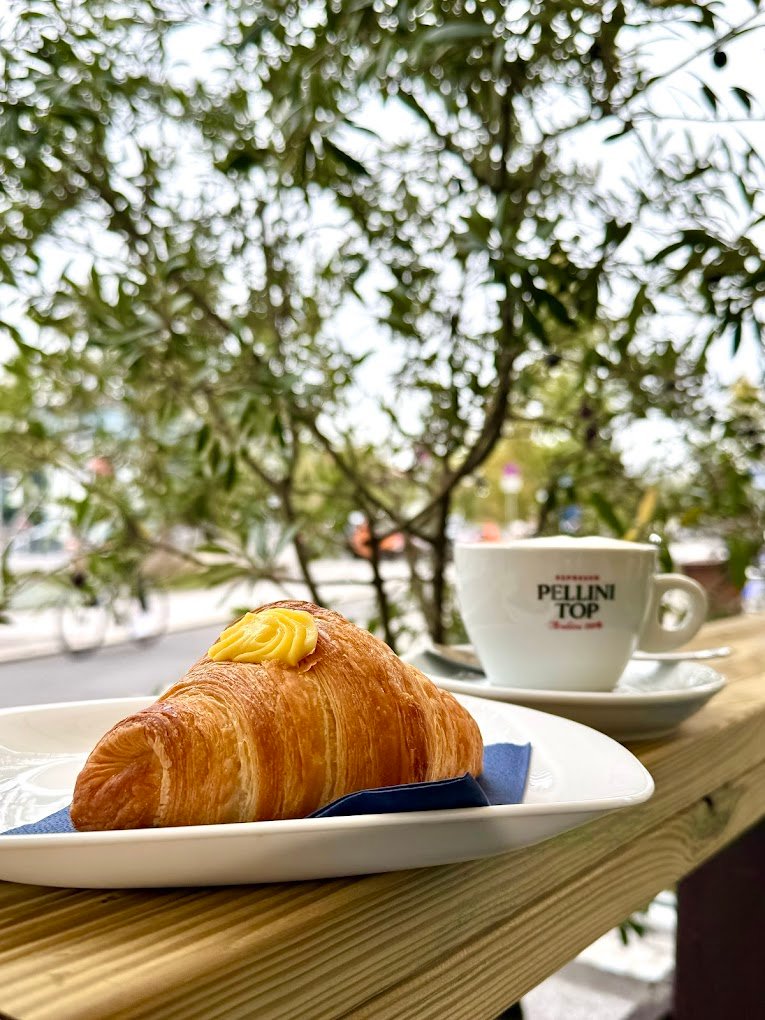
356, 167
284, 539
736, 343
617, 232
498, 58
534, 325
744, 97
455, 31
176, 264
229, 479
511, 258
95, 282
607, 513
203, 438
639, 306
666, 562
466, 242
706, 15
36, 429
17, 338
555, 306
216, 574
237, 612
239, 162
757, 330
213, 547
675, 246
479, 227
363, 128
399, 325
710, 97
628, 126
741, 550
254, 34
180, 302
277, 430
747, 195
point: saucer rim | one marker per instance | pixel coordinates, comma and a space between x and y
552, 695
564, 695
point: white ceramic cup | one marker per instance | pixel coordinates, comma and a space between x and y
567, 613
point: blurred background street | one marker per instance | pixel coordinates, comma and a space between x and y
118, 671
35, 670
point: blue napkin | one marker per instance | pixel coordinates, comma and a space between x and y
503, 781
57, 822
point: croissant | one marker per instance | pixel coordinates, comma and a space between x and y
245, 740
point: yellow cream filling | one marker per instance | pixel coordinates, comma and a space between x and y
275, 635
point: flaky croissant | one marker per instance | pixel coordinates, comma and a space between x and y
247, 741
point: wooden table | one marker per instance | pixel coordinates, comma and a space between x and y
454, 942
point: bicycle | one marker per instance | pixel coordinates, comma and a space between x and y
84, 614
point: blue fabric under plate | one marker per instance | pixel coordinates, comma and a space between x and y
503, 781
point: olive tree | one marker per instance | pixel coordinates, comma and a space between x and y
185, 249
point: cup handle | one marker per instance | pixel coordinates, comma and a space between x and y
657, 638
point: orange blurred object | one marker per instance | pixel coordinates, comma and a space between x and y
490, 532
101, 466
392, 545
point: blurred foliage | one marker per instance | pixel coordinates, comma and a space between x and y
183, 243
721, 492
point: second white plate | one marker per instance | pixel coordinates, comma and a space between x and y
576, 774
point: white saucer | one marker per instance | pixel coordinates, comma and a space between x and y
650, 700
575, 775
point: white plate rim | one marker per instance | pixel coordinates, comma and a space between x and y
332, 824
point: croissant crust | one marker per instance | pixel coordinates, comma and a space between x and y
236, 742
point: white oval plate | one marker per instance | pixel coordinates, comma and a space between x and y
576, 774
651, 699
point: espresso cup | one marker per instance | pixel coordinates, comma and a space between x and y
567, 613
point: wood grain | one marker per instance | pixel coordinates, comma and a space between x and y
548, 932
459, 941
